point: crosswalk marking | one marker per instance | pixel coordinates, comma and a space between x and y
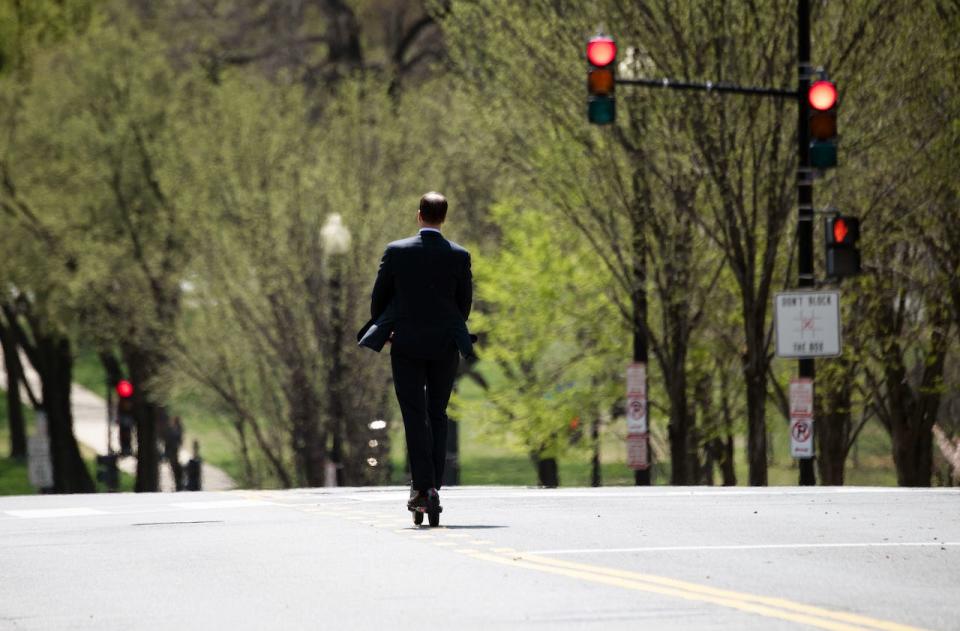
42, 513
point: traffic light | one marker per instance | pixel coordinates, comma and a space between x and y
601, 64
125, 417
124, 389
843, 257
822, 124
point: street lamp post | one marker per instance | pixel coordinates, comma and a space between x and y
335, 237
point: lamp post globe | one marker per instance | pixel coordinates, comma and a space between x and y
335, 235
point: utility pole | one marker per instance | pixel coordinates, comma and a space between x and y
805, 213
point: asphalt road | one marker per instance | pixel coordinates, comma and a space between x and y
504, 558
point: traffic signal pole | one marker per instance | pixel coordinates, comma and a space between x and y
805, 214
805, 173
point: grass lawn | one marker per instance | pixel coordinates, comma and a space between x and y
487, 461
14, 479
217, 445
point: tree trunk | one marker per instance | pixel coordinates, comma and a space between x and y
755, 374
833, 424
11, 360
595, 473
70, 473
548, 475
913, 412
305, 411
727, 463
913, 455
148, 414
756, 427
679, 432
52, 359
831, 431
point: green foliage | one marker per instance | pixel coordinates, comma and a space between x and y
166, 177
550, 334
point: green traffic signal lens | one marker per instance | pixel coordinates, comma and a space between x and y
601, 110
823, 155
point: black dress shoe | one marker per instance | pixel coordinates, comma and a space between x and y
433, 501
418, 499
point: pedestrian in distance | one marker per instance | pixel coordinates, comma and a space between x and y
420, 303
172, 439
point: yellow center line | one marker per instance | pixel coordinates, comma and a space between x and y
724, 593
760, 605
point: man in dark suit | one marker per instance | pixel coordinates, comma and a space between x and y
423, 292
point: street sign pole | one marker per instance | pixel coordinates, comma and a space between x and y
807, 368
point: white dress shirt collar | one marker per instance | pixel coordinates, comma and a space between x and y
422, 230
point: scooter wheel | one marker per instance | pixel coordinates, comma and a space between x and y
434, 519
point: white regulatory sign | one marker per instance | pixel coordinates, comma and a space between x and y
636, 414
801, 417
808, 323
801, 437
637, 452
637, 379
801, 397
637, 398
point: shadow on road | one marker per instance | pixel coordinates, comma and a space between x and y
461, 527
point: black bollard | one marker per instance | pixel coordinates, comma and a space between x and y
194, 468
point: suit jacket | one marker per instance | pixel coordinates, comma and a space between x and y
423, 295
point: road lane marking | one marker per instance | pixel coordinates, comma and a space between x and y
759, 546
635, 585
762, 605
472, 493
223, 504
43, 513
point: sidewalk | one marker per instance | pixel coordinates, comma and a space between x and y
90, 428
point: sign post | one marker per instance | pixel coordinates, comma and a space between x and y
638, 443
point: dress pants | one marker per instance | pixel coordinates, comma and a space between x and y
423, 388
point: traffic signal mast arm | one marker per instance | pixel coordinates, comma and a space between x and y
710, 86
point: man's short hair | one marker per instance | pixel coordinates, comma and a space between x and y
433, 207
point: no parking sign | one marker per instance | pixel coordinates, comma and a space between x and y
801, 418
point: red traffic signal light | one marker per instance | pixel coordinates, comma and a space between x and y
840, 230
843, 256
601, 51
822, 124
601, 68
124, 389
822, 95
